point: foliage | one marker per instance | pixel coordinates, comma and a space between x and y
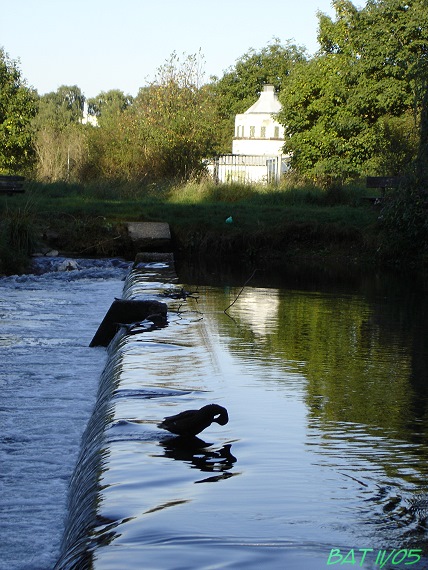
60, 140
116, 150
166, 132
61, 154
345, 108
404, 219
400, 142
17, 239
109, 105
239, 87
421, 166
17, 107
179, 119
60, 108
351, 110
404, 222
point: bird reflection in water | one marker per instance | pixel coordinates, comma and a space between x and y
197, 452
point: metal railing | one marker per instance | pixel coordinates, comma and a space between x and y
247, 168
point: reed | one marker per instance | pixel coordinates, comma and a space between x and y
18, 238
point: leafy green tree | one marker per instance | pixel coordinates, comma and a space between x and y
240, 86
178, 118
17, 108
404, 217
109, 104
60, 108
117, 149
320, 126
422, 157
166, 132
346, 108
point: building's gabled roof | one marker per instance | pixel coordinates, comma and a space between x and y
267, 102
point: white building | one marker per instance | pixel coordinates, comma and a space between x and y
257, 132
88, 119
257, 154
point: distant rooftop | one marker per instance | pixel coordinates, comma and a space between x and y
267, 102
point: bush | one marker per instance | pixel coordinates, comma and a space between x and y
404, 222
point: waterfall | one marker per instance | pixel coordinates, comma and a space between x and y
119, 393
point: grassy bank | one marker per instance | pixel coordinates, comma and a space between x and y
269, 223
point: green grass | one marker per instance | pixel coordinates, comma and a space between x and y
192, 204
263, 216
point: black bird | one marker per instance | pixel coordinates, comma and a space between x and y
192, 422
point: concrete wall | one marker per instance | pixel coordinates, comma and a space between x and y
257, 146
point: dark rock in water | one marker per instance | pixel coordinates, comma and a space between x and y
192, 422
124, 312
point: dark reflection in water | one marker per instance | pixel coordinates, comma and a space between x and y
198, 454
353, 346
360, 339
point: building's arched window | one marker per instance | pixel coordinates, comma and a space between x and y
252, 132
263, 132
276, 133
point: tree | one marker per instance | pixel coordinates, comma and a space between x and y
116, 149
240, 86
60, 138
109, 104
404, 217
421, 166
60, 108
166, 132
178, 118
62, 155
17, 108
344, 110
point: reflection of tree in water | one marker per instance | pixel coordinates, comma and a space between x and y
362, 350
200, 455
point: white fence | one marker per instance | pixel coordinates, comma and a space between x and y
246, 168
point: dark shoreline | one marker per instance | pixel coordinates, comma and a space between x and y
321, 249
328, 250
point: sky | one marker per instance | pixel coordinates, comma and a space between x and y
100, 45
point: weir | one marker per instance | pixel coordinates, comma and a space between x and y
151, 372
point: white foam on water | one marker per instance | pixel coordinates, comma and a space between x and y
48, 383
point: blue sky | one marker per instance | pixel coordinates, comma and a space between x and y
101, 45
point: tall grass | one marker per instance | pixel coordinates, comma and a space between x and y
17, 238
207, 192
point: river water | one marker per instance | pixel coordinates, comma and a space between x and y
324, 459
